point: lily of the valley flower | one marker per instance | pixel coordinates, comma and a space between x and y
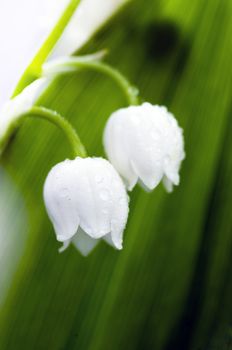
145, 143
20, 104
86, 201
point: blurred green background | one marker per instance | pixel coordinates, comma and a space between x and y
171, 286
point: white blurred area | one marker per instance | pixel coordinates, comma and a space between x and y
25, 24
23, 27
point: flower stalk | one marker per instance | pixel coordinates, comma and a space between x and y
54, 118
75, 64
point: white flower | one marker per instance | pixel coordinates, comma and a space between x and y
145, 143
15, 107
86, 200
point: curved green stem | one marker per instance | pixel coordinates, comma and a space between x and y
74, 64
54, 118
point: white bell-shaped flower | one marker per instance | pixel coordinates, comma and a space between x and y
86, 201
144, 143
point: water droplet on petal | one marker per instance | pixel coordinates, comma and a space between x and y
99, 179
104, 195
64, 193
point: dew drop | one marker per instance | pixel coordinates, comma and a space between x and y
64, 193
133, 90
104, 195
99, 179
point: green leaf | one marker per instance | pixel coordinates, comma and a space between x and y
33, 71
170, 287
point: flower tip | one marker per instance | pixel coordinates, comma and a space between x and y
60, 238
118, 246
130, 182
61, 249
148, 184
64, 246
130, 187
63, 238
85, 254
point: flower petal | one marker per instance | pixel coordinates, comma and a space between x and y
99, 189
65, 246
60, 201
146, 146
116, 147
118, 238
119, 214
168, 185
108, 239
83, 242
